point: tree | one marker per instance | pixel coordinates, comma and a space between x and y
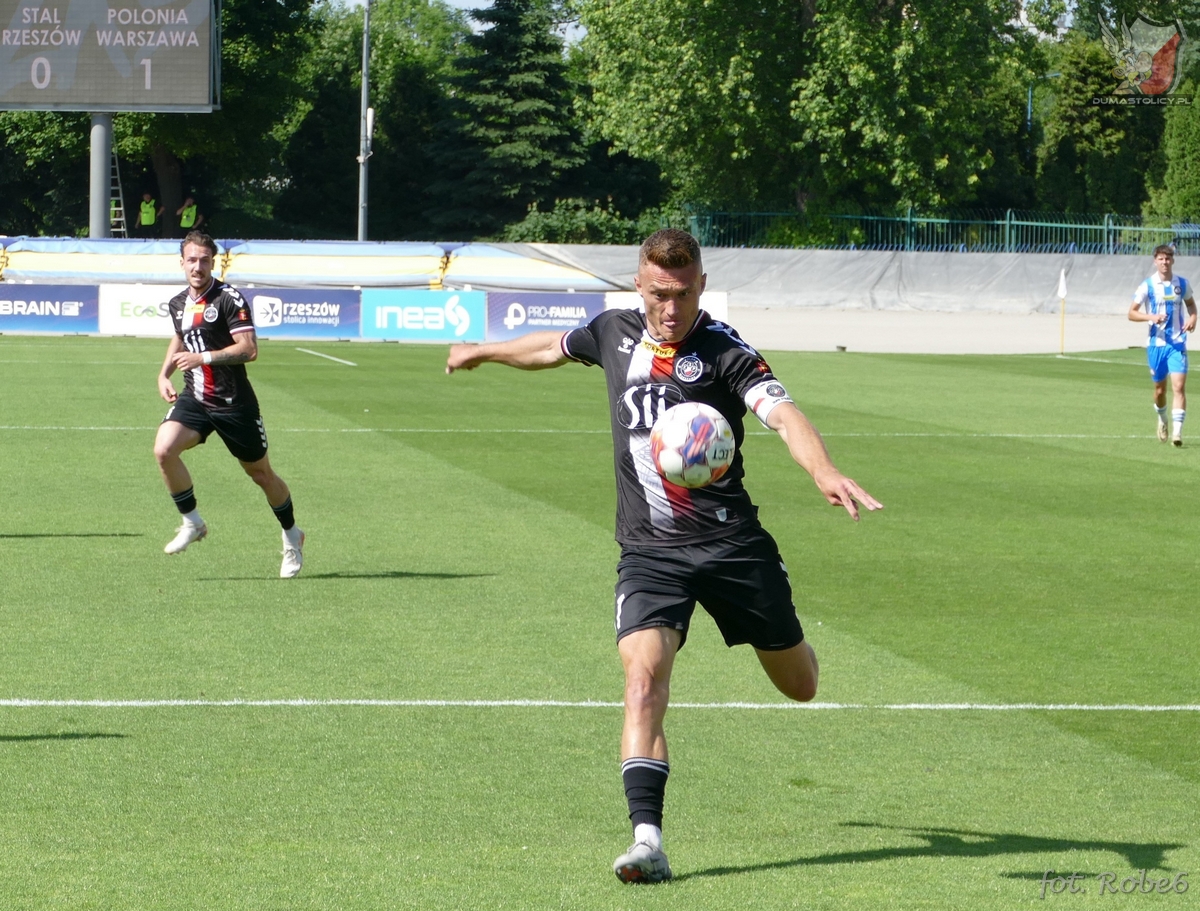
509, 136
1094, 158
412, 42
701, 88
898, 98
43, 173
1177, 193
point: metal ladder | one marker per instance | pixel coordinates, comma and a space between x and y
116, 206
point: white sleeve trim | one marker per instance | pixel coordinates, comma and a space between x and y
761, 398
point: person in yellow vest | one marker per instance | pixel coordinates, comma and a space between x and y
149, 211
189, 216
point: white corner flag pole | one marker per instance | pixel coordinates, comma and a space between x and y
1062, 312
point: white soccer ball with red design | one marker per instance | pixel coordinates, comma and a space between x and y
692, 444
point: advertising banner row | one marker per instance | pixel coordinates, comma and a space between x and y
372, 313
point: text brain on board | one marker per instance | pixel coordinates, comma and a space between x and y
85, 55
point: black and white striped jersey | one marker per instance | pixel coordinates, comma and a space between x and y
209, 323
646, 377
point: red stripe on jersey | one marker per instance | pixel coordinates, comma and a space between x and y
680, 498
661, 368
206, 372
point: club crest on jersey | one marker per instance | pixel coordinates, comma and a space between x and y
210, 314
776, 391
689, 368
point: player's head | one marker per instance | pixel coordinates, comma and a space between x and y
197, 254
670, 278
146, 196
1164, 258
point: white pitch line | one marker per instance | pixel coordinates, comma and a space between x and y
1097, 360
915, 435
553, 703
329, 357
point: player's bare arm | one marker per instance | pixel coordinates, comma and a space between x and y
1136, 315
165, 387
1189, 324
535, 351
243, 350
809, 452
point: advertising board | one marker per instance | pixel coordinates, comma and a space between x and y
61, 309
424, 316
304, 313
137, 310
515, 314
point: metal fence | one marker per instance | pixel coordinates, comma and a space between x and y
1011, 231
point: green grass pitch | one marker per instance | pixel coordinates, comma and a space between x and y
1038, 547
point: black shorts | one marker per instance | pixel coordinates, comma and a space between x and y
740, 580
242, 431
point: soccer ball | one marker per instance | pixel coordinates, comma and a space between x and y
691, 444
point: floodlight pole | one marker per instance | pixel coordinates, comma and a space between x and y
100, 178
364, 134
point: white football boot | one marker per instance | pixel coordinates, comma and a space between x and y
187, 534
293, 557
642, 863
1162, 430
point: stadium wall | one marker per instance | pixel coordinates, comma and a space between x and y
1014, 283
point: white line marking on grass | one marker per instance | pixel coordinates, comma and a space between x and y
768, 433
329, 357
554, 703
1097, 360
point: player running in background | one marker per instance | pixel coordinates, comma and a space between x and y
214, 338
1164, 297
680, 546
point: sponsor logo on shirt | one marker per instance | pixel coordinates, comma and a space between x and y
776, 391
689, 368
657, 350
626, 345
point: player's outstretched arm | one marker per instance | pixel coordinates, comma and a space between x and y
535, 351
808, 449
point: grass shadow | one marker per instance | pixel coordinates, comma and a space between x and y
938, 842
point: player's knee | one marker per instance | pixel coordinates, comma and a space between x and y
643, 690
163, 452
259, 474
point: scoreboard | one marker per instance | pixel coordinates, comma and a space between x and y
110, 55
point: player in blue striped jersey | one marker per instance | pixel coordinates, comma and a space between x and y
1164, 300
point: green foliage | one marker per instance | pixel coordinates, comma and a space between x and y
43, 173
412, 42
1178, 191
701, 88
1094, 158
896, 104
509, 136
580, 221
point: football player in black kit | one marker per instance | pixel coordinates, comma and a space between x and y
214, 338
680, 546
